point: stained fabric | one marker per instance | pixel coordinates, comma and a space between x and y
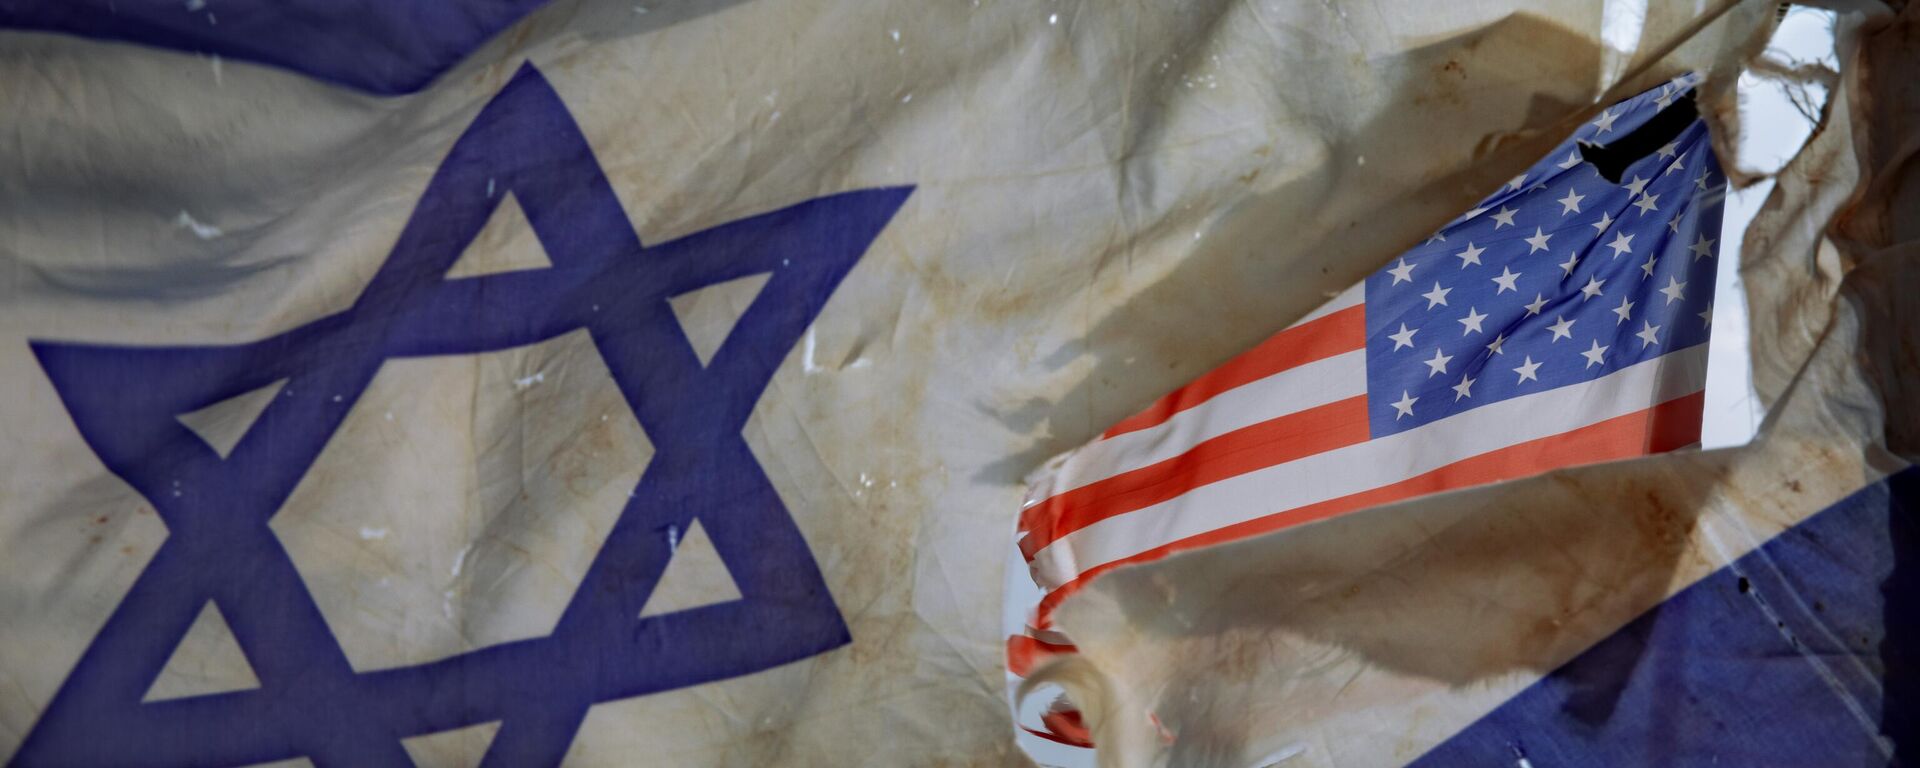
1798, 653
1689, 609
306, 354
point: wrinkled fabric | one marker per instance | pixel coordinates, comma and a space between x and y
1088, 181
1375, 638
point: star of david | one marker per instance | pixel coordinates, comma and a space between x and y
311, 702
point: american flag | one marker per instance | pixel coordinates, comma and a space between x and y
1562, 321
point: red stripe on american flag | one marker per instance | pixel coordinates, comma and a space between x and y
1024, 653
1067, 727
1274, 441
1664, 427
1342, 331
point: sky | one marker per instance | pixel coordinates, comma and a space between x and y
1775, 129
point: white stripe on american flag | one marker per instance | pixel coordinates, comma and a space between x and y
1220, 422
1370, 464
1313, 384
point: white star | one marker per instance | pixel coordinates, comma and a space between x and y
1701, 182
1567, 266
1463, 389
1702, 248
1436, 238
1404, 406
1570, 203
1404, 338
1674, 290
1438, 364
1706, 316
1527, 370
1600, 227
1573, 159
1622, 244
1647, 204
1471, 323
1562, 329
1664, 100
1536, 306
1678, 163
1505, 281
1625, 308
1493, 347
1504, 217
1538, 242
1636, 186
1605, 122
1402, 273
1473, 214
1592, 288
1596, 354
1470, 256
1647, 268
1436, 297
1673, 225
1648, 334
1516, 182
1668, 150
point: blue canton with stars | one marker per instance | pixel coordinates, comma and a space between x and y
1559, 277
310, 700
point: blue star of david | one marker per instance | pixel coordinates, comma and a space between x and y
310, 701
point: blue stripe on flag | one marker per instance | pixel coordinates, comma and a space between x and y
1802, 653
385, 47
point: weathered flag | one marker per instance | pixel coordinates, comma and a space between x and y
1563, 320
518, 382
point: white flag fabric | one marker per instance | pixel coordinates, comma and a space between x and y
607, 383
1591, 347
